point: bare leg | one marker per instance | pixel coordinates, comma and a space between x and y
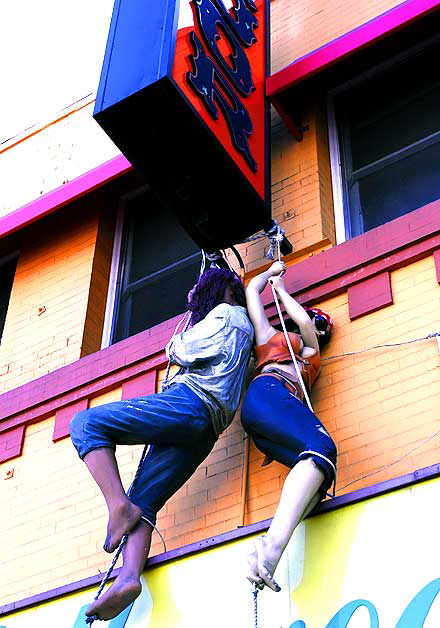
298, 497
123, 515
127, 586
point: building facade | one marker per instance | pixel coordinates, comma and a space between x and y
94, 271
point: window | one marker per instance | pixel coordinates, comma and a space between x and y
388, 135
7, 272
158, 264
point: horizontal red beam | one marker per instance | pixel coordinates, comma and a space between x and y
63, 195
88, 377
386, 248
347, 44
390, 246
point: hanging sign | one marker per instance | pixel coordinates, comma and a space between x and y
182, 94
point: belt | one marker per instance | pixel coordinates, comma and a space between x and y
292, 386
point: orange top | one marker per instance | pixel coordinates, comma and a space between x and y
276, 350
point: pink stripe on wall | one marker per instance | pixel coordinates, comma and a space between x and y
63, 195
437, 264
347, 44
11, 443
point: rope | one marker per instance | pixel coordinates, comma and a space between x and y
391, 344
255, 594
187, 319
292, 353
92, 618
186, 316
275, 235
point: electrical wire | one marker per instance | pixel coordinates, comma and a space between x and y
392, 344
387, 466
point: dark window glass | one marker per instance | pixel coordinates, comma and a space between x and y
389, 131
7, 272
160, 263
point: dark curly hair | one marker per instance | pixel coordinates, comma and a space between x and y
210, 291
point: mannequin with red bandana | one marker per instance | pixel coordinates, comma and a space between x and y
281, 425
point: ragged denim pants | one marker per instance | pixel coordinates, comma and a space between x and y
177, 425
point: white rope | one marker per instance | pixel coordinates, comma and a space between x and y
289, 344
277, 235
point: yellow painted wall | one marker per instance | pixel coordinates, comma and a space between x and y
46, 157
45, 321
352, 556
378, 405
298, 28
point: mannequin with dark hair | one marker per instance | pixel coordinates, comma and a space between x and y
281, 425
210, 290
181, 424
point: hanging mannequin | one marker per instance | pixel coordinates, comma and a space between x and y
281, 425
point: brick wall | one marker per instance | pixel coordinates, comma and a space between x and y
47, 157
302, 200
297, 28
45, 322
378, 405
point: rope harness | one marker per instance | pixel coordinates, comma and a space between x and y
255, 590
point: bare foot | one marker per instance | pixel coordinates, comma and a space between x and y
252, 572
123, 592
121, 521
267, 560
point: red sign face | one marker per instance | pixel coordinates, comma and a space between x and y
220, 66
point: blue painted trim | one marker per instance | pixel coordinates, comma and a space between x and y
107, 56
143, 34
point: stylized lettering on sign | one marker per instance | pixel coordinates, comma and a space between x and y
209, 18
206, 80
215, 78
414, 616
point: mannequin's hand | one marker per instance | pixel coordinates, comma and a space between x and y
276, 282
277, 268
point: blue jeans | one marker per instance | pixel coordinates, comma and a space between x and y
177, 425
284, 429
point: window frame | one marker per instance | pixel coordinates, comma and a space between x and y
5, 259
341, 198
118, 267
